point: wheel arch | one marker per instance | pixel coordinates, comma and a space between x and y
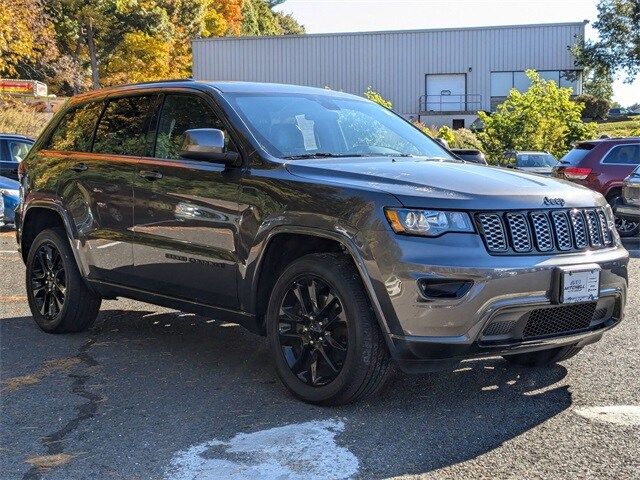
307, 241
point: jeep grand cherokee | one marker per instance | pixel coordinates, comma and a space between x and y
354, 242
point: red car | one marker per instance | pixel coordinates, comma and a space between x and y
602, 165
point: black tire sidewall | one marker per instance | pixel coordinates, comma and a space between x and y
356, 337
60, 242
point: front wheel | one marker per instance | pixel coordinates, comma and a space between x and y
59, 299
323, 334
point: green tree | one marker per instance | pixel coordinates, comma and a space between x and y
288, 24
618, 48
543, 118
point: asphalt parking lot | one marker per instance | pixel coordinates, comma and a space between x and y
151, 393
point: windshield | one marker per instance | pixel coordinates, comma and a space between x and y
303, 126
536, 160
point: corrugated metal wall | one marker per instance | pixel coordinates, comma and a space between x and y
393, 63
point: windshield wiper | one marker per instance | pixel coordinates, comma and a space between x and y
323, 155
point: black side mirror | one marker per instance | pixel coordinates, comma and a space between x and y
207, 144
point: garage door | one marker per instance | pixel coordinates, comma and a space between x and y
446, 93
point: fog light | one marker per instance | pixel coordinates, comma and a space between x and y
439, 288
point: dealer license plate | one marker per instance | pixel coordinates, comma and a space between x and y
579, 284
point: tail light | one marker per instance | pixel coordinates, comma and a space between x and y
576, 173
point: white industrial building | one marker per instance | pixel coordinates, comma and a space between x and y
442, 76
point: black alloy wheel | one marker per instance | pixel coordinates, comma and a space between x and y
48, 281
312, 331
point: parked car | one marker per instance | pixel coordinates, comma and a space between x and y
541, 163
13, 149
470, 155
10, 196
629, 209
602, 165
322, 220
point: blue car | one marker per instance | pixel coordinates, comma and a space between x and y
9, 200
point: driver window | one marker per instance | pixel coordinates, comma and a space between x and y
179, 114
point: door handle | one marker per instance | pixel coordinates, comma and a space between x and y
79, 167
150, 174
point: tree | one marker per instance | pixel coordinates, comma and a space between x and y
543, 118
594, 108
288, 24
618, 48
597, 83
26, 35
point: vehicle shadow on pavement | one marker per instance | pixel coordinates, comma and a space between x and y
154, 384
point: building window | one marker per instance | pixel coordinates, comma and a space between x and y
503, 82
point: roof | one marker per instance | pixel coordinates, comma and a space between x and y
222, 87
388, 32
612, 140
16, 136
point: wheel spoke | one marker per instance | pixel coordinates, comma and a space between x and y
328, 360
333, 343
58, 301
52, 305
328, 309
45, 301
300, 363
288, 317
313, 367
304, 298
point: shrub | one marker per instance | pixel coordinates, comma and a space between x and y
594, 108
16, 117
374, 96
542, 118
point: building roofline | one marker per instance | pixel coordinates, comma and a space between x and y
387, 32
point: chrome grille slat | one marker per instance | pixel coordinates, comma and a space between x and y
519, 232
579, 229
593, 227
607, 238
494, 233
562, 230
544, 231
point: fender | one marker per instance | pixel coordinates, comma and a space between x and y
54, 203
348, 242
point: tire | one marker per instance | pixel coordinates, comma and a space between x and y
543, 358
59, 299
351, 358
625, 228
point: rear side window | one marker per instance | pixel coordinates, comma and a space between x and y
74, 132
576, 155
123, 127
624, 155
18, 150
179, 114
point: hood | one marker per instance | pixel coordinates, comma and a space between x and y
9, 184
423, 183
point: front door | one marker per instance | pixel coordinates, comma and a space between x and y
186, 212
446, 92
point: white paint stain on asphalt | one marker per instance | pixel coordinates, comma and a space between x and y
625, 415
303, 451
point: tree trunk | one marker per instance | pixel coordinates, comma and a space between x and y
95, 77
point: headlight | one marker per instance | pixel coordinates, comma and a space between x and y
429, 223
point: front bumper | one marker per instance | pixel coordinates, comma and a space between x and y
424, 334
627, 212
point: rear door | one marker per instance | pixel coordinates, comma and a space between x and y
186, 212
619, 162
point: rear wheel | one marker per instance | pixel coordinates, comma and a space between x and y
323, 334
59, 299
544, 357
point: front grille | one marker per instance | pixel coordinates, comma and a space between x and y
559, 320
541, 231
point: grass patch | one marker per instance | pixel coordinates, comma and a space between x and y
626, 128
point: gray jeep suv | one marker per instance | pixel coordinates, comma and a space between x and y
354, 242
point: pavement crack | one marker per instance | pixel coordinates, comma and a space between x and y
54, 442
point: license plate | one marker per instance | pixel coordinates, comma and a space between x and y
579, 284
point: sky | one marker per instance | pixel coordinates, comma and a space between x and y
327, 16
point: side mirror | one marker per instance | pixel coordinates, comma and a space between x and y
207, 144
